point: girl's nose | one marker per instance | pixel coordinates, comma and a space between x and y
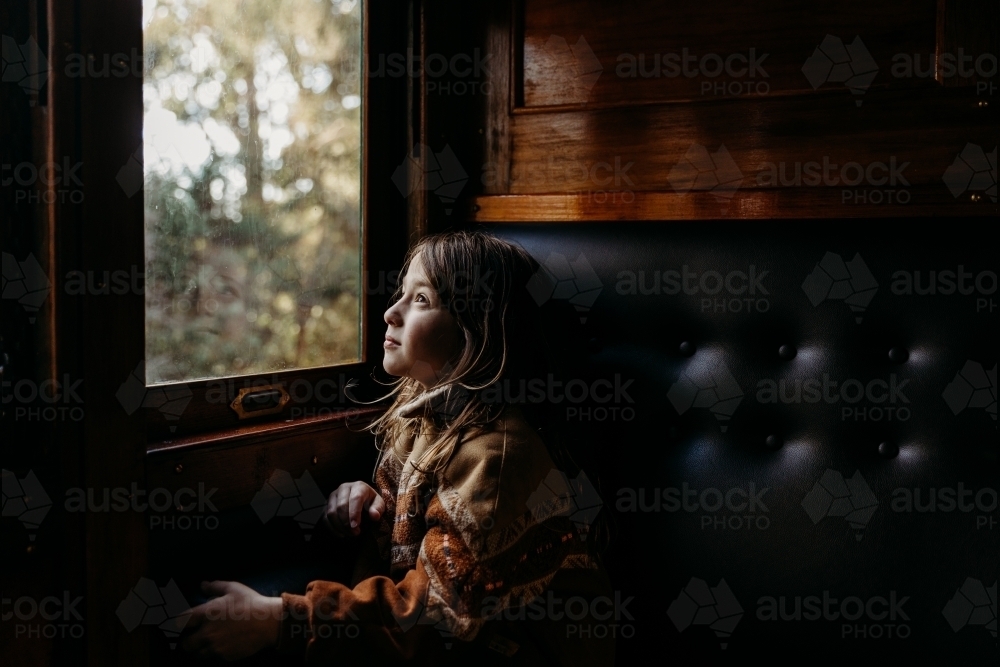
392, 315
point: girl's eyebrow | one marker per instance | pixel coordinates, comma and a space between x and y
418, 282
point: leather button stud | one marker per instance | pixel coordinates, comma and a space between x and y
787, 352
687, 348
773, 441
898, 355
888, 450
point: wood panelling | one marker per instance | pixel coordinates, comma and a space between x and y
649, 50
502, 77
110, 330
603, 126
810, 156
238, 463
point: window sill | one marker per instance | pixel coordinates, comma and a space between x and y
252, 434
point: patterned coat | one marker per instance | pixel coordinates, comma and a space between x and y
468, 550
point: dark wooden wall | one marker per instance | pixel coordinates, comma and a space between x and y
576, 88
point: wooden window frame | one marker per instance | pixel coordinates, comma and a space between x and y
99, 121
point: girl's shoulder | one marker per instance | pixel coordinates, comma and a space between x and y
509, 437
498, 467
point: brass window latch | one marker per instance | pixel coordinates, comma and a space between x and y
259, 401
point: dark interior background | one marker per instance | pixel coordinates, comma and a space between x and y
539, 133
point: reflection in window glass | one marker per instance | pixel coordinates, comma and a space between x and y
252, 154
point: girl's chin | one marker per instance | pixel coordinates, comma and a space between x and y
392, 368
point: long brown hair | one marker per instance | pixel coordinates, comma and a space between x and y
482, 281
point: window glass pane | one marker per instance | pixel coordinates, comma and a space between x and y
252, 181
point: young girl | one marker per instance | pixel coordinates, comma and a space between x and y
479, 551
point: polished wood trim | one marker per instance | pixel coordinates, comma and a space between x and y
799, 203
236, 467
623, 103
357, 419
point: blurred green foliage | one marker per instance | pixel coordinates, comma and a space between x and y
252, 146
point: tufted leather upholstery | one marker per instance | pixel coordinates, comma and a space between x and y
913, 411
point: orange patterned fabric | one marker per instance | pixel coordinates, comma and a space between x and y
486, 534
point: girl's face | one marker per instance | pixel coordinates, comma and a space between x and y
422, 336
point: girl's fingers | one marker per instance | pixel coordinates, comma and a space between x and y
343, 507
358, 500
377, 508
331, 512
215, 587
347, 506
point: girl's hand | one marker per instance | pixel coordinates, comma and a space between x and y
234, 625
347, 505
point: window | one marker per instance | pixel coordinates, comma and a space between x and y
252, 152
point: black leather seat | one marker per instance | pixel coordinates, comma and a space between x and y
802, 463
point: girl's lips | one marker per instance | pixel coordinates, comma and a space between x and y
390, 342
